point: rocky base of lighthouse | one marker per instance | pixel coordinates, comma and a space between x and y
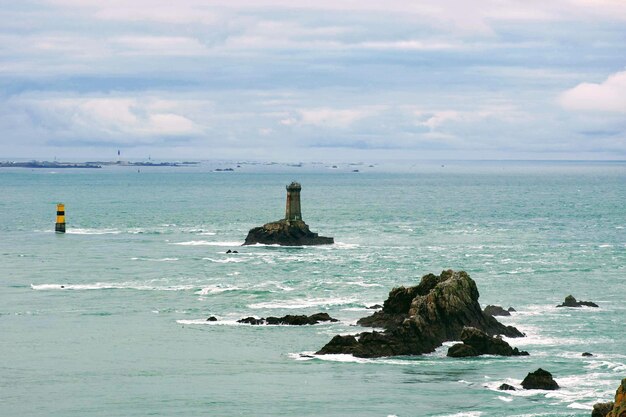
286, 233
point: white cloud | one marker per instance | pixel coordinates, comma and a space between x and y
331, 117
99, 118
608, 96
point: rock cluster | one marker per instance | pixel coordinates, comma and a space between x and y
291, 320
419, 319
613, 409
286, 233
540, 379
570, 301
477, 342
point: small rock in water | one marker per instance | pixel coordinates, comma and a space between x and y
212, 318
570, 301
511, 310
375, 307
540, 379
229, 251
506, 387
290, 320
495, 311
587, 354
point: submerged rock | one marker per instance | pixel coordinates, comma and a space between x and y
570, 301
477, 342
506, 387
587, 354
286, 233
212, 318
375, 307
496, 311
419, 319
291, 320
540, 379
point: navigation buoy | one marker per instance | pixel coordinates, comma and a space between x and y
59, 227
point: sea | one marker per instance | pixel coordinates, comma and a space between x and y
110, 318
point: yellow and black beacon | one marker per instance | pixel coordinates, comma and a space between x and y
59, 227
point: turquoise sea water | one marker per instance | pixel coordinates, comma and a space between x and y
143, 265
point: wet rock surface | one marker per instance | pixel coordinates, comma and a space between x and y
540, 379
506, 387
290, 320
602, 409
496, 311
286, 233
477, 342
419, 319
570, 301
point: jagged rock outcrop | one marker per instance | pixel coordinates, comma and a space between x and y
286, 233
613, 409
540, 379
419, 319
496, 311
570, 301
291, 320
477, 342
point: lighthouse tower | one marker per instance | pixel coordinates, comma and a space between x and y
292, 211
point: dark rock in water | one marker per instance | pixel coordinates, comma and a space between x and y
212, 318
375, 307
495, 311
602, 409
570, 301
252, 320
587, 354
286, 233
511, 310
461, 350
234, 251
291, 320
419, 319
506, 387
476, 343
229, 251
540, 379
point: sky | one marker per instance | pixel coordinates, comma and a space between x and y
300, 80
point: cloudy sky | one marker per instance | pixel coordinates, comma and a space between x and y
324, 79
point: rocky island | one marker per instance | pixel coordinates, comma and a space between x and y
419, 319
290, 231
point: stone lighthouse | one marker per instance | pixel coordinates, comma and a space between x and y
290, 231
293, 211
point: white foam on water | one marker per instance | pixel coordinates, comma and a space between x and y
226, 260
81, 231
155, 259
605, 246
580, 406
363, 284
342, 245
215, 289
463, 414
207, 243
304, 303
111, 286
505, 399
